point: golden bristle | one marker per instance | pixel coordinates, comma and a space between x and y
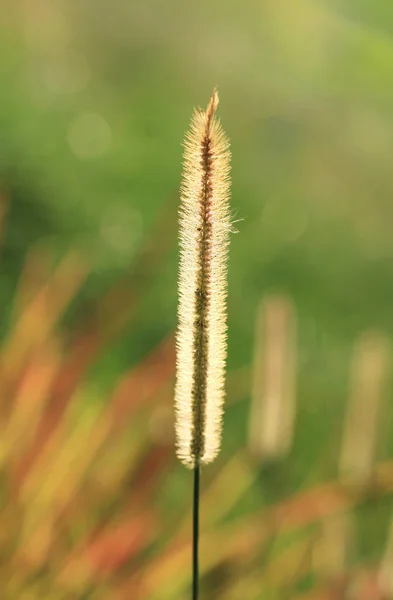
204, 238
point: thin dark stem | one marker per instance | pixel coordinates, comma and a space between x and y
195, 535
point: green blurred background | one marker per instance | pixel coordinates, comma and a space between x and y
95, 98
94, 104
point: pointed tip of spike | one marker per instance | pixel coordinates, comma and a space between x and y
212, 106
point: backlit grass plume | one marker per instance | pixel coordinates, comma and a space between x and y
204, 237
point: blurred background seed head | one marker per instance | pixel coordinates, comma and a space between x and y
95, 99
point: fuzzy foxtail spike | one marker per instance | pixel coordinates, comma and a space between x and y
204, 237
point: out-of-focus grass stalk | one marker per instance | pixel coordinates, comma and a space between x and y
385, 575
333, 547
29, 402
361, 426
38, 317
274, 379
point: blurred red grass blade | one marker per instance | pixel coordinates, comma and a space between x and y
120, 543
36, 321
65, 383
29, 402
34, 327
134, 390
112, 548
145, 380
150, 471
111, 545
62, 465
36, 271
129, 589
143, 486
